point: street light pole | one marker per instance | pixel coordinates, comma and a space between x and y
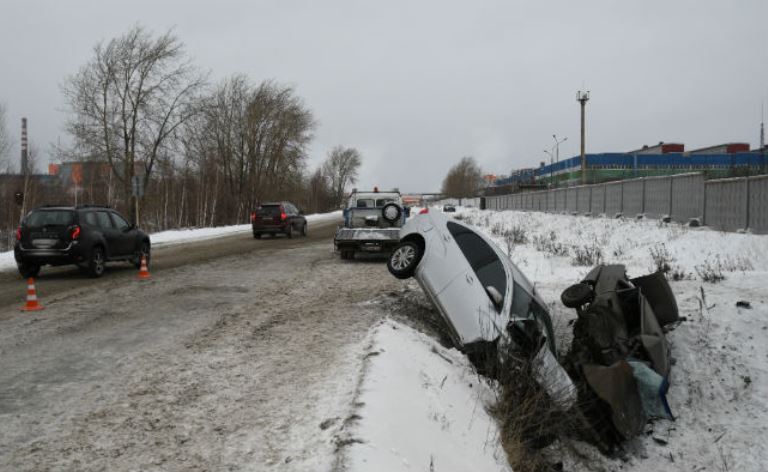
557, 146
551, 162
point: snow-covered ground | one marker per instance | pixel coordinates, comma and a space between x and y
420, 407
178, 236
719, 381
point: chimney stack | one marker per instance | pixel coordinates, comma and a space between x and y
24, 147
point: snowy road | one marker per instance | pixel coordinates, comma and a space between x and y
229, 359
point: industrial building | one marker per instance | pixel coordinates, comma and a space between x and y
718, 161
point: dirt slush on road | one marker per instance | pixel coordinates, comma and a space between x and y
228, 359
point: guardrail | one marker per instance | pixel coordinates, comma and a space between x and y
733, 204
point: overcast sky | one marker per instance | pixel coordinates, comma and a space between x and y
416, 85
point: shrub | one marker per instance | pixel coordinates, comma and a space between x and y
711, 272
662, 259
587, 255
550, 245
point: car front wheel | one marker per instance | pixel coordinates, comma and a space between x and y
143, 251
404, 259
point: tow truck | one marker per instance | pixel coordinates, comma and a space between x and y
372, 222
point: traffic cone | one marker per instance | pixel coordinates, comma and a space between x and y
32, 304
144, 272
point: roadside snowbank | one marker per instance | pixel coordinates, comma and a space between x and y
166, 238
420, 407
179, 236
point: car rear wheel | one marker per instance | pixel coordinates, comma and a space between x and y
304, 230
97, 262
290, 232
256, 235
404, 259
28, 270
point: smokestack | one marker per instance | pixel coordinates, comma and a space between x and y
24, 147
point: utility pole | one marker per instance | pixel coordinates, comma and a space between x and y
583, 98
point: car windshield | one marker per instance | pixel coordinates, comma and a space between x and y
50, 218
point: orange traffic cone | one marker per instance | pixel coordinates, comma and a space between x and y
32, 304
144, 272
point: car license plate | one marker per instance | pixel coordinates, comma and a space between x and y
266, 219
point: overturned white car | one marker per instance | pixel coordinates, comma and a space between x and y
487, 303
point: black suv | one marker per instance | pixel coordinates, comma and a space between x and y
87, 236
279, 217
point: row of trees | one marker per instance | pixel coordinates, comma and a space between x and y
205, 154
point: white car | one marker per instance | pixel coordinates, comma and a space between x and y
484, 298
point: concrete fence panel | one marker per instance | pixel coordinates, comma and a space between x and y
758, 204
632, 197
726, 204
561, 197
583, 199
571, 199
551, 200
658, 197
687, 197
613, 198
597, 199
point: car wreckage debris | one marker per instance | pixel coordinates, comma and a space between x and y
619, 357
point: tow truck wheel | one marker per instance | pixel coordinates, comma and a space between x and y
404, 259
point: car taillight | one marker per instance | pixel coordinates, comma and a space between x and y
75, 233
18, 234
283, 216
253, 216
424, 211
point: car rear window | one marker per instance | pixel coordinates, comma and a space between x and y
269, 210
481, 256
365, 203
383, 201
50, 218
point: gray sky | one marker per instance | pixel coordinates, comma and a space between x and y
416, 85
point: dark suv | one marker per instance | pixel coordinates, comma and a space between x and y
87, 236
279, 217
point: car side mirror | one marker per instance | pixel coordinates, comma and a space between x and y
495, 295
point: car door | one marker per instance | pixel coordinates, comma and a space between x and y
125, 235
107, 229
466, 301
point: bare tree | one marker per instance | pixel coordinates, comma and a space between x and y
129, 100
5, 142
340, 168
465, 179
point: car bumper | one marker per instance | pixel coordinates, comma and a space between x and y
367, 239
269, 228
72, 254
